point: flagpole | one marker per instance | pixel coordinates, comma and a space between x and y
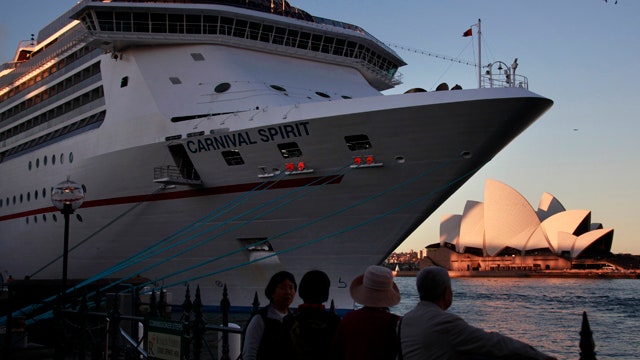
479, 56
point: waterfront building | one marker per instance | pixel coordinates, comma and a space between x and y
506, 233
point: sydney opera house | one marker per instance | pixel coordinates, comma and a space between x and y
506, 233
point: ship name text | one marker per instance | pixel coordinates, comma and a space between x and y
238, 139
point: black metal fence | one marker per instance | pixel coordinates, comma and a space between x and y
121, 326
103, 327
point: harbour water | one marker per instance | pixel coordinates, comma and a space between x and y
547, 312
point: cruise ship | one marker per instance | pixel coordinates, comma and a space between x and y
218, 142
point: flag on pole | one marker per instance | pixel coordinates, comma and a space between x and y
467, 33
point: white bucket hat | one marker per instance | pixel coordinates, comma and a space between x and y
375, 288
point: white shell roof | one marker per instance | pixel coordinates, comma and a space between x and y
472, 225
567, 221
450, 229
509, 218
549, 206
506, 219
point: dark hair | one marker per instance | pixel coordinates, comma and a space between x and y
314, 287
277, 279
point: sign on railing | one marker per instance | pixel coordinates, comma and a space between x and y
165, 339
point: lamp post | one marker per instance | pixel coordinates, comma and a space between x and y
67, 196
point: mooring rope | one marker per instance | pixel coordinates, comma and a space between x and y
341, 231
327, 179
322, 180
299, 227
302, 226
196, 224
137, 258
97, 231
155, 249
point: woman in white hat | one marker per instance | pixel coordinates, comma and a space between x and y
370, 332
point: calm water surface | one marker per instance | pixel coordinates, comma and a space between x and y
547, 313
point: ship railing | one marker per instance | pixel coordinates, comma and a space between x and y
174, 175
503, 76
502, 81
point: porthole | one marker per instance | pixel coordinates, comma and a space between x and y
28, 196
0, 203
222, 87
44, 217
70, 158
279, 88
79, 217
20, 198
27, 220
84, 189
53, 159
54, 217
35, 195
30, 165
346, 97
44, 161
14, 199
37, 163
35, 219
321, 94
61, 158
44, 193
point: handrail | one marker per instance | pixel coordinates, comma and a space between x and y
503, 81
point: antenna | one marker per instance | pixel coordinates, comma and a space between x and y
479, 56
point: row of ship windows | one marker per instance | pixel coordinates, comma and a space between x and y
44, 218
53, 160
50, 91
44, 117
201, 24
46, 73
81, 125
19, 199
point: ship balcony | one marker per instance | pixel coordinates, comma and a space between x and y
173, 175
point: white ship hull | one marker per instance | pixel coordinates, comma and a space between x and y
332, 214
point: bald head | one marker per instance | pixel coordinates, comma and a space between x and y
432, 283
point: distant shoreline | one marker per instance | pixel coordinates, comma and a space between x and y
580, 274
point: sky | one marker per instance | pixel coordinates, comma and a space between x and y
582, 54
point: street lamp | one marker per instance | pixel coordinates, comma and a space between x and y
67, 196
